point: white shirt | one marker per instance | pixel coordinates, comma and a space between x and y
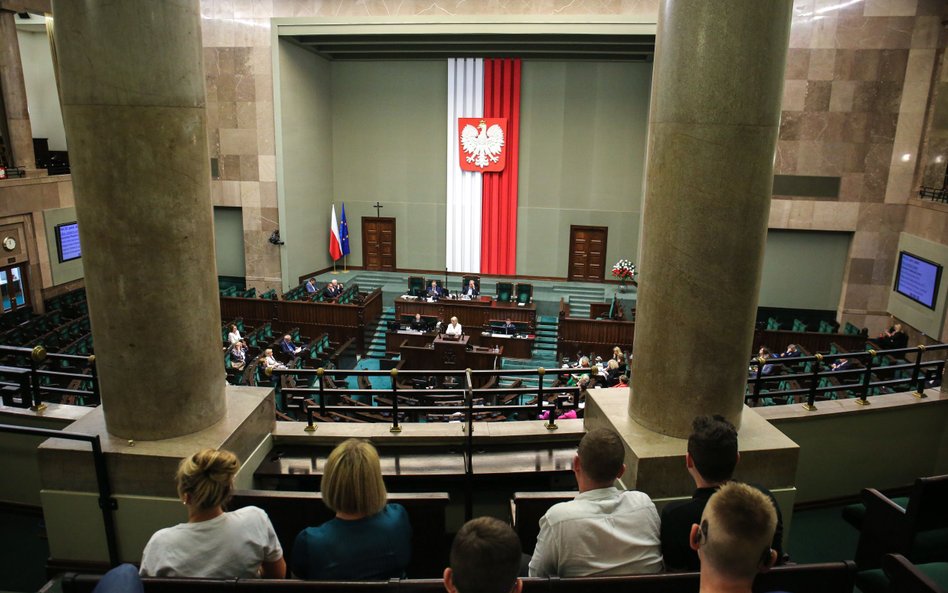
234, 336
453, 329
233, 545
606, 531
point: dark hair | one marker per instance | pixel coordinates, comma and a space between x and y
601, 454
485, 557
713, 447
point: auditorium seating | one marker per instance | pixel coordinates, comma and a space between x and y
905, 577
831, 577
918, 531
291, 512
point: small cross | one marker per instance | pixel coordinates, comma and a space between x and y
378, 208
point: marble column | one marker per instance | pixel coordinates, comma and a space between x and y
14, 95
134, 109
715, 110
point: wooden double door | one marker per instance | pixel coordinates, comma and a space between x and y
587, 253
378, 243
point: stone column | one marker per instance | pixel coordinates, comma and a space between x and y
715, 109
134, 109
14, 95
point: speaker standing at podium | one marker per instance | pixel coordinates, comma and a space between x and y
454, 328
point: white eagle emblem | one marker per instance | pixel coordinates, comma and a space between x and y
482, 148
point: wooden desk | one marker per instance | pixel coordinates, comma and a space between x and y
593, 335
451, 355
472, 315
512, 347
394, 340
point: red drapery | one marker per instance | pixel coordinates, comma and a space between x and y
499, 197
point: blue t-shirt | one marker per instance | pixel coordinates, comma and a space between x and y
373, 548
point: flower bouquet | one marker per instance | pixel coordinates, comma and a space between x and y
624, 272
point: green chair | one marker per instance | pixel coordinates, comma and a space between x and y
524, 293
416, 285
504, 291
799, 326
773, 324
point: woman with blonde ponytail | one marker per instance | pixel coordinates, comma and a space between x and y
213, 543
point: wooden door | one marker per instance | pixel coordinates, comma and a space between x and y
587, 253
378, 243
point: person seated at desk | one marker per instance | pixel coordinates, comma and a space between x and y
418, 324
893, 337
234, 336
238, 356
791, 352
311, 286
270, 362
471, 290
454, 328
508, 327
333, 290
843, 364
435, 291
288, 347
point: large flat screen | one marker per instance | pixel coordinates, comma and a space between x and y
917, 278
67, 241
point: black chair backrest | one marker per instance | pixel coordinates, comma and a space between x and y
926, 508
528, 507
416, 285
291, 512
905, 578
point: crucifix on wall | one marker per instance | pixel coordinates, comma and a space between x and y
378, 209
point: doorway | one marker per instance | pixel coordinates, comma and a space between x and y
378, 243
14, 287
587, 253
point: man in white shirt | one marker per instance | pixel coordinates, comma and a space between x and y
454, 328
604, 530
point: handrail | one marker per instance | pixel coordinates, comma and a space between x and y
31, 390
465, 393
107, 502
865, 374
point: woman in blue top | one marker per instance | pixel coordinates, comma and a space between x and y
368, 539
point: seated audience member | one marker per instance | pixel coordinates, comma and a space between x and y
454, 328
604, 530
238, 356
623, 381
485, 558
368, 539
288, 347
234, 336
471, 289
333, 290
893, 338
711, 458
311, 286
418, 324
791, 352
124, 578
843, 364
270, 362
768, 368
617, 353
434, 291
732, 539
509, 327
214, 544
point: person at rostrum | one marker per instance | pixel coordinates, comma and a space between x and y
454, 328
711, 458
418, 324
604, 530
732, 539
434, 291
471, 289
485, 558
509, 327
214, 544
368, 539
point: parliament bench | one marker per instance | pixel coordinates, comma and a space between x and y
832, 577
291, 512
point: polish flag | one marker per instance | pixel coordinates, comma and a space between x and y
335, 251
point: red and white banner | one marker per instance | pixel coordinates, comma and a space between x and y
481, 143
484, 130
335, 248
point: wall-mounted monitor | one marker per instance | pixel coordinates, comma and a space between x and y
67, 241
918, 279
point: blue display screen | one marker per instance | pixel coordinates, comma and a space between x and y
918, 279
67, 241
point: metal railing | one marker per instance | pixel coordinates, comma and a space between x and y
107, 502
319, 398
28, 390
936, 194
921, 371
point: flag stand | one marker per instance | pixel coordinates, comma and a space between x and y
334, 267
345, 265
